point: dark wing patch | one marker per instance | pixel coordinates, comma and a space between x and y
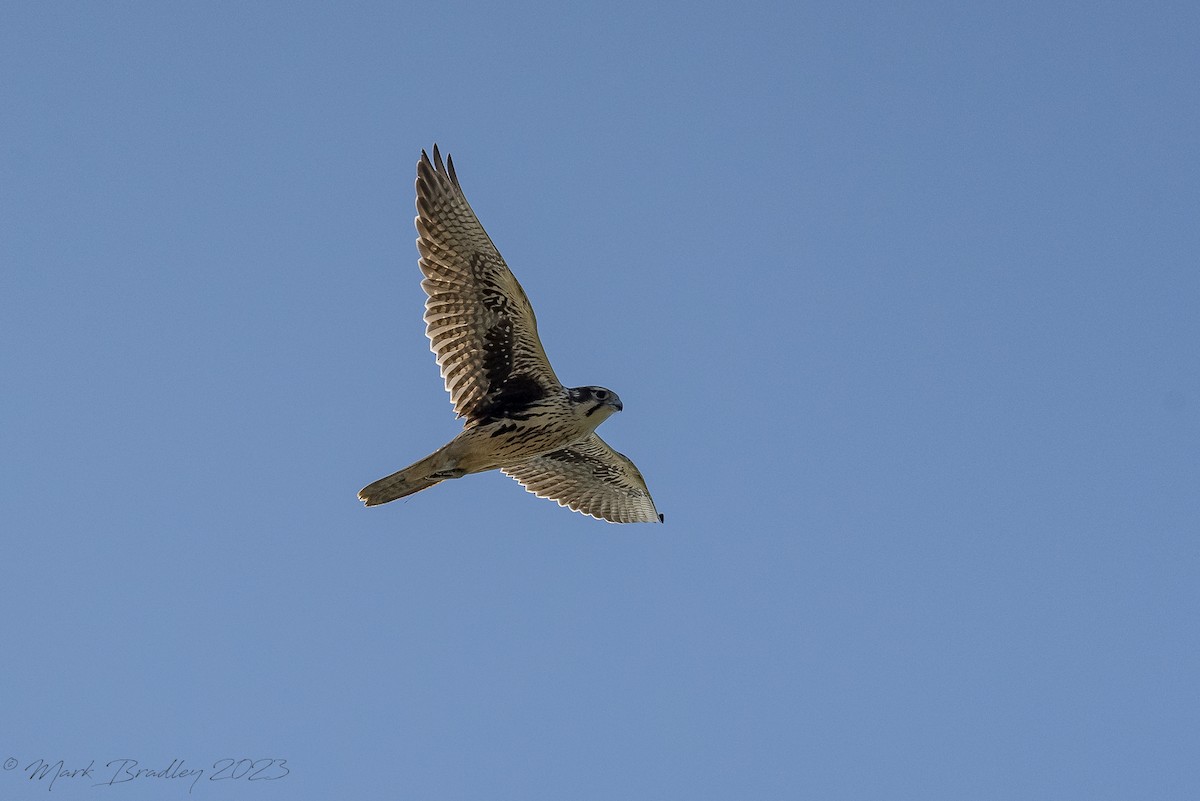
591, 478
511, 401
479, 322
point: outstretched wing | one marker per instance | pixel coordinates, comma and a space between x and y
478, 320
592, 478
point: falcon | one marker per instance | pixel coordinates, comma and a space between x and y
519, 418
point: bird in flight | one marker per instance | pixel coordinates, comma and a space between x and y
520, 419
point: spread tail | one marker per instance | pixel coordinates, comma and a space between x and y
413, 478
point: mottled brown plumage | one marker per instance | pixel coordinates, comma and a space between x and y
518, 417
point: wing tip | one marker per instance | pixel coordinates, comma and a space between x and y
435, 178
437, 166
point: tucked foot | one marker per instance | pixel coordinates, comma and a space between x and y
445, 474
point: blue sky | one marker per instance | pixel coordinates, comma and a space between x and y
901, 301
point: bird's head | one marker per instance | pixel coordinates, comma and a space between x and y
595, 403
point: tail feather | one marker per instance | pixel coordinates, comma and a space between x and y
402, 483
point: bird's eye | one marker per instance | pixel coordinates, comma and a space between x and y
602, 394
